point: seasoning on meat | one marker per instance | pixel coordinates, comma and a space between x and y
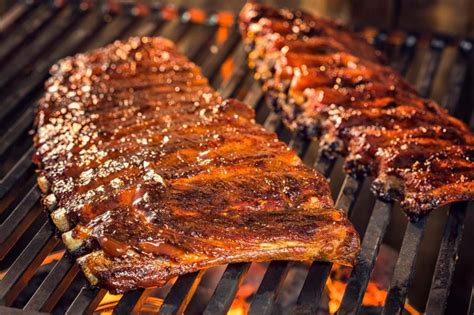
149, 173
328, 83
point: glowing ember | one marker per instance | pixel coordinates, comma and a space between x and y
239, 307
106, 306
375, 294
241, 303
52, 257
49, 259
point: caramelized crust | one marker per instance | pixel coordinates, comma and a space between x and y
368, 146
150, 174
330, 84
428, 175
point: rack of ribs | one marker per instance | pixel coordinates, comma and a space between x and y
148, 173
329, 84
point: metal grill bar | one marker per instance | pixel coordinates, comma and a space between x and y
273, 122
20, 126
14, 311
471, 304
36, 78
19, 220
230, 86
308, 300
458, 76
147, 27
227, 288
111, 31
348, 194
41, 17
324, 166
181, 293
445, 264
299, 145
131, 301
211, 65
14, 16
201, 36
263, 300
16, 173
176, 299
429, 67
254, 96
365, 261
405, 265
404, 269
53, 286
25, 265
176, 33
408, 50
60, 24
86, 301
18, 214
310, 295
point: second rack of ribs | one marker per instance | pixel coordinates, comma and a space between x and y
330, 84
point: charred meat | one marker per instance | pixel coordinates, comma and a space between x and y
149, 173
328, 83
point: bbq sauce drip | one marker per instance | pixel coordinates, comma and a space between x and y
112, 247
161, 249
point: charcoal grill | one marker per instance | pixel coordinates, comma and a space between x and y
33, 35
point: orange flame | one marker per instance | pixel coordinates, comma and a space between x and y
374, 295
240, 305
109, 301
49, 259
335, 288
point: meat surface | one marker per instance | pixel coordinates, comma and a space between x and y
328, 83
149, 173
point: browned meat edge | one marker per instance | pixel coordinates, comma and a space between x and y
327, 83
149, 173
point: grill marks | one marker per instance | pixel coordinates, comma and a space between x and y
150, 174
328, 83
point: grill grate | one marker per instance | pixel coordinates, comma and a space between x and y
34, 35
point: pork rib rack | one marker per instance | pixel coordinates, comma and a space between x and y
330, 84
149, 173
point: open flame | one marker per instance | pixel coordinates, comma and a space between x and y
49, 259
243, 298
336, 285
241, 304
375, 295
109, 301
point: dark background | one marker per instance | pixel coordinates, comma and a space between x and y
454, 17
